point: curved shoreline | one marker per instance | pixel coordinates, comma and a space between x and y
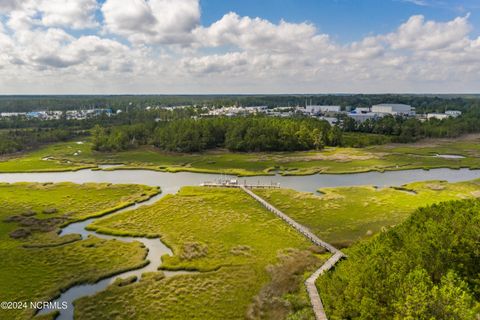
238, 173
274, 172
152, 261
73, 165
170, 183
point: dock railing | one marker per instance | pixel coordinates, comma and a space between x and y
230, 184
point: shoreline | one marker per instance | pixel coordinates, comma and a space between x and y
234, 172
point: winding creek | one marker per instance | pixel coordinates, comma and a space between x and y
155, 247
170, 183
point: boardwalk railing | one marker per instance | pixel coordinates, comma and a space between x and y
313, 293
312, 290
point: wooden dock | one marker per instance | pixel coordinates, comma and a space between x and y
312, 290
226, 184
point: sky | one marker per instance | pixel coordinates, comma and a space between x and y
239, 46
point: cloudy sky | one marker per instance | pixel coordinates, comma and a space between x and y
239, 46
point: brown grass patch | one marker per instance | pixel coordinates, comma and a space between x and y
287, 277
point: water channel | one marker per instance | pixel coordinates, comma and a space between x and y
170, 183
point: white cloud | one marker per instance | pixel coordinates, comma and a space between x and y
268, 54
367, 49
91, 52
216, 64
259, 34
75, 14
30, 48
159, 46
9, 5
422, 3
418, 34
152, 21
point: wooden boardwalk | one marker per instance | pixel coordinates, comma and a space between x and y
312, 290
313, 293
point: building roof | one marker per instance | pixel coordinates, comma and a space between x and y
391, 105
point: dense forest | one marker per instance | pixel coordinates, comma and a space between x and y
410, 129
235, 134
183, 134
426, 268
175, 130
12, 141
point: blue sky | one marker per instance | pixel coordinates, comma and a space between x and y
239, 46
344, 20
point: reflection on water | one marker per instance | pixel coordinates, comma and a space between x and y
156, 249
172, 182
450, 156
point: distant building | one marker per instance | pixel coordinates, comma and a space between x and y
229, 112
439, 116
12, 114
362, 117
362, 110
97, 112
258, 108
36, 114
323, 109
394, 109
453, 113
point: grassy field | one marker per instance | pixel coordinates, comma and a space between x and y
35, 262
39, 161
75, 156
250, 262
344, 215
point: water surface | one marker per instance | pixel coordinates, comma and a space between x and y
450, 156
156, 249
170, 183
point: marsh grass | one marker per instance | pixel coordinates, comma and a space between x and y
40, 265
278, 298
345, 215
238, 247
380, 158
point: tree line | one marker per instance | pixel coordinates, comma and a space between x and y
425, 268
411, 129
12, 141
176, 131
423, 103
245, 134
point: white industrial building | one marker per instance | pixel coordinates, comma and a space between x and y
323, 109
362, 117
453, 113
394, 109
362, 110
439, 116
447, 114
12, 114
